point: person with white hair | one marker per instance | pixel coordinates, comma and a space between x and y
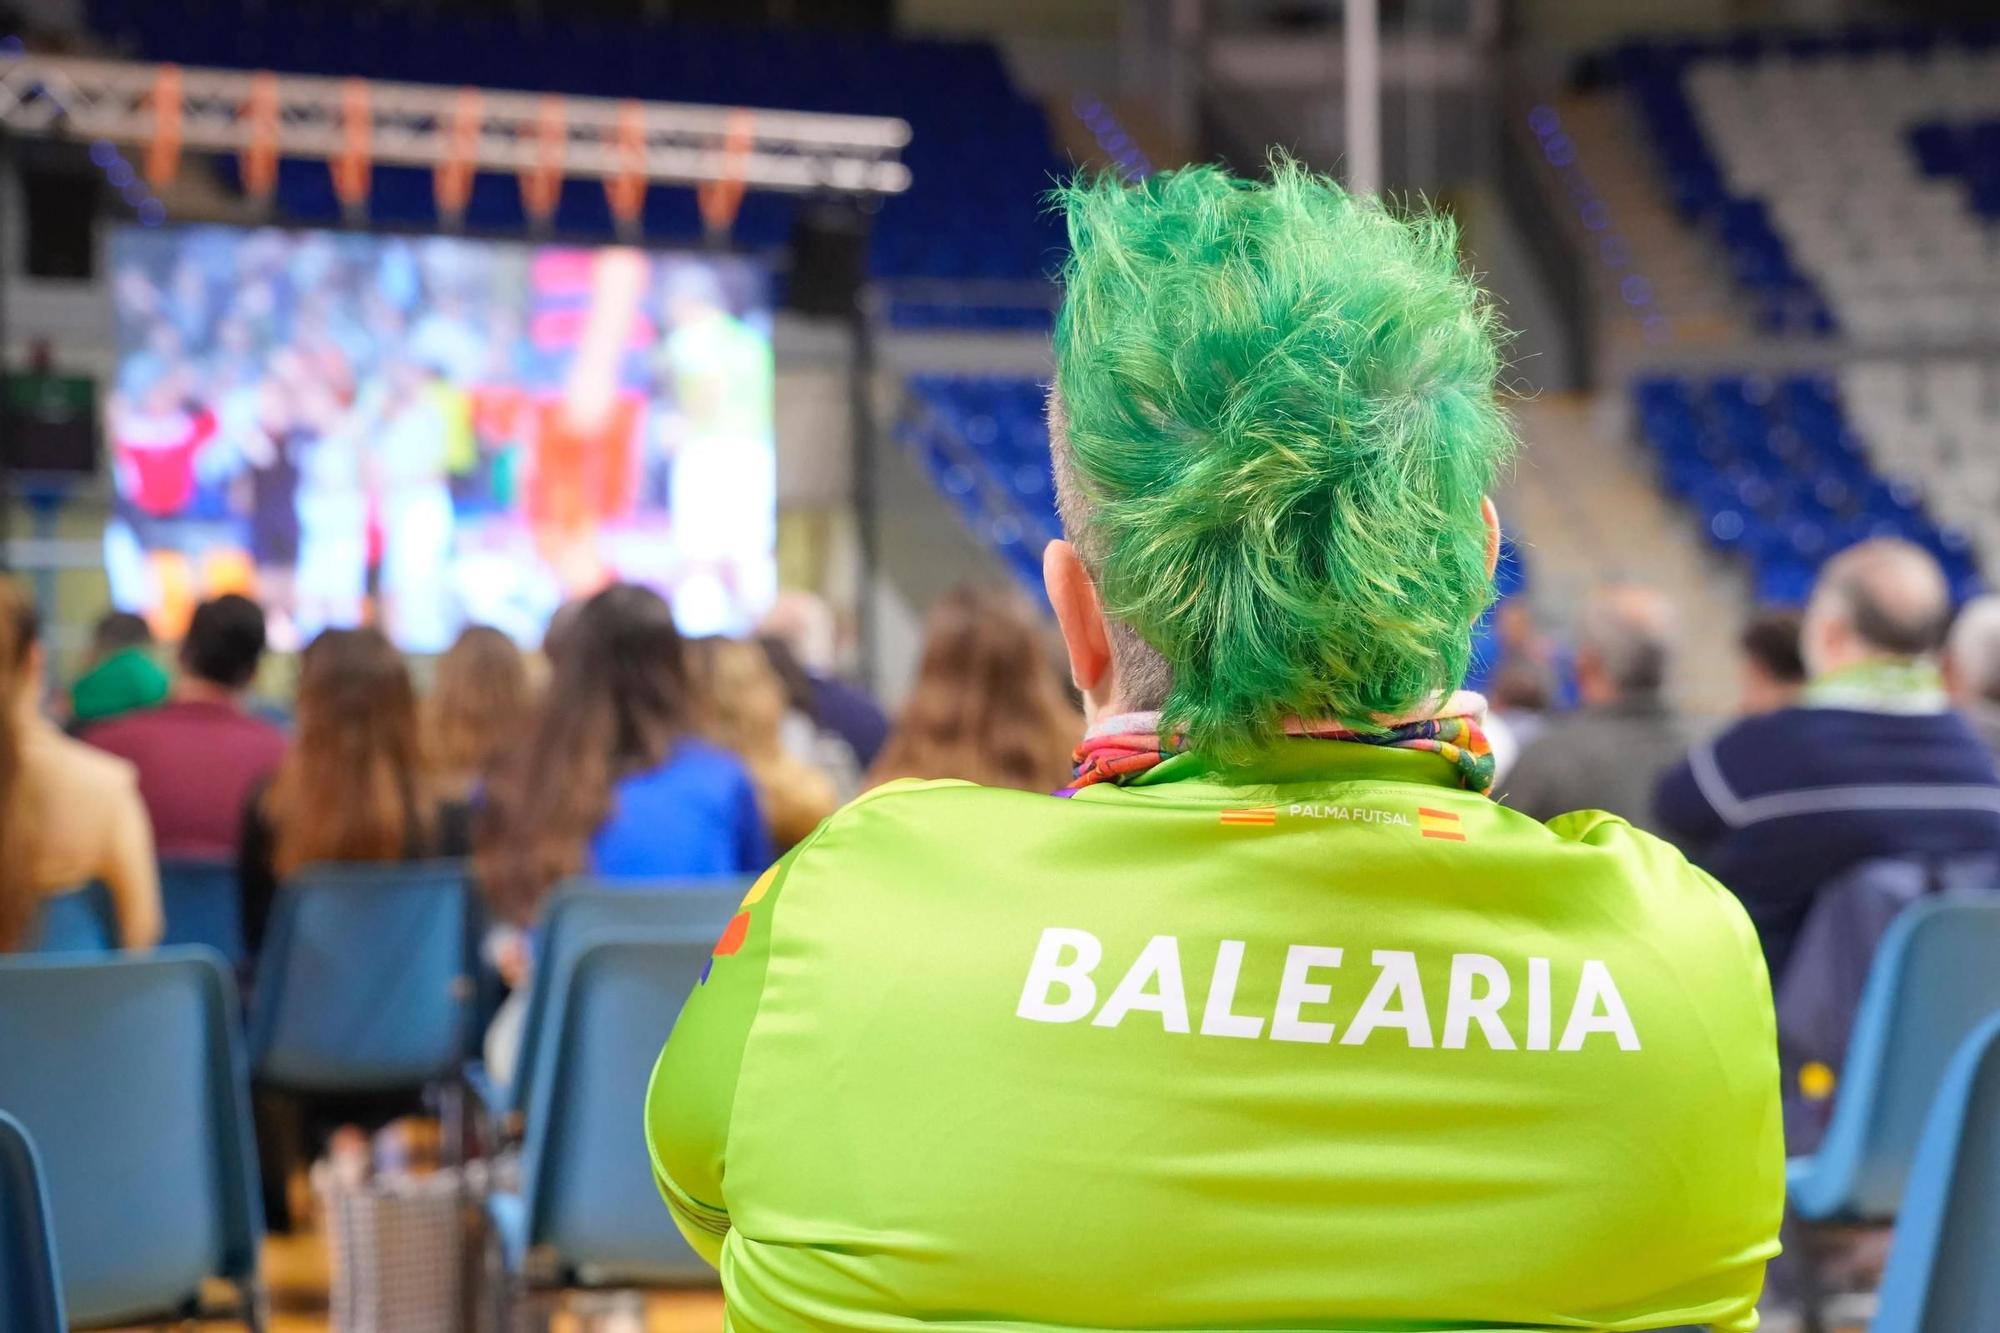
1972, 667
1872, 763
1608, 753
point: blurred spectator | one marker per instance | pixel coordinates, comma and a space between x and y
612, 781
1523, 696
1773, 670
1609, 753
479, 696
352, 786
201, 753
747, 710
120, 675
1972, 667
561, 621
69, 814
798, 632
988, 705
1870, 763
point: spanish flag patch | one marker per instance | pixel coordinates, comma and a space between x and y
1443, 824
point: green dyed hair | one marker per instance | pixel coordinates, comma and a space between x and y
1275, 417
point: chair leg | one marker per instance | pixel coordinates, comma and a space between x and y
448, 1098
502, 1295
256, 1302
1802, 1245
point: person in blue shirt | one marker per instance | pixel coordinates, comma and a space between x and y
611, 780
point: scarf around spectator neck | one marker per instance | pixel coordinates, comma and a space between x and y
1119, 749
1895, 685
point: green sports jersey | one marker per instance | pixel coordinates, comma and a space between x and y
1321, 1042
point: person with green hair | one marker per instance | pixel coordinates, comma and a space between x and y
1275, 1020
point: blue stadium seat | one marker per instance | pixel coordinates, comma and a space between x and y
585, 910
30, 1286
130, 1074
1775, 474
1932, 982
365, 981
79, 921
581, 1202
203, 904
1943, 1276
1784, 300
984, 440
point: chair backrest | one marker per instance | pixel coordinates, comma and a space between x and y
1944, 1269
692, 909
599, 1216
364, 982
203, 904
129, 1072
30, 1290
79, 921
1933, 981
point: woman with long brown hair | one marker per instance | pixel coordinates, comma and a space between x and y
746, 710
352, 786
69, 814
612, 781
479, 693
988, 705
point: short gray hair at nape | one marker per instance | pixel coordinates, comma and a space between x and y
1144, 676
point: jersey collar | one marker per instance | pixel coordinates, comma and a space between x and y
1300, 761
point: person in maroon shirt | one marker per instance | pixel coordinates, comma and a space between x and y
201, 753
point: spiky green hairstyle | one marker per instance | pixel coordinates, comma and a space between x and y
1276, 415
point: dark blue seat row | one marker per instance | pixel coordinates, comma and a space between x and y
980, 155
1971, 152
985, 442
1777, 474
1785, 299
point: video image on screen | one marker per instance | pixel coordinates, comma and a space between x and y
429, 432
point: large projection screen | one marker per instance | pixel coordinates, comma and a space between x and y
425, 432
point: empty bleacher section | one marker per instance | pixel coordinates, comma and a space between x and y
1850, 180
984, 443
1781, 472
980, 153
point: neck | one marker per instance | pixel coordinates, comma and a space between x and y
1848, 665
193, 689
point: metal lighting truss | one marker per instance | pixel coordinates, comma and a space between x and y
305, 116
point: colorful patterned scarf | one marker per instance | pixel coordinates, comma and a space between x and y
1120, 748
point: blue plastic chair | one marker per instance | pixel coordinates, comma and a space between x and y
1933, 981
583, 910
203, 905
364, 982
80, 921
1944, 1268
129, 1072
30, 1289
584, 1214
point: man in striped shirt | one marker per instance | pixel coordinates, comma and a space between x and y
1871, 763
